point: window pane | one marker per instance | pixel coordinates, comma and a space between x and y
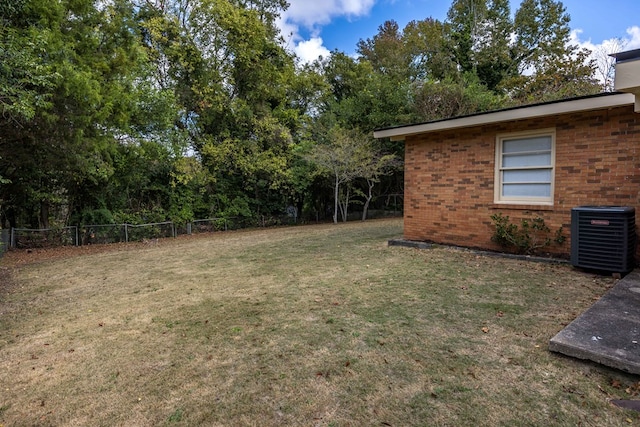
521, 176
511, 160
526, 190
527, 144
526, 168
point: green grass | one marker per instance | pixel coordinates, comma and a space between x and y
319, 325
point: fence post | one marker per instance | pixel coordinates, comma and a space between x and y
76, 227
126, 233
189, 228
12, 243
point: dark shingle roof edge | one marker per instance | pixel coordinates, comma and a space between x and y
519, 107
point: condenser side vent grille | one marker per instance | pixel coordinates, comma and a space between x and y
603, 238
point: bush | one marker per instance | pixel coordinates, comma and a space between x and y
97, 216
527, 238
143, 216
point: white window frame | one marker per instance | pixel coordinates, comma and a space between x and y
499, 169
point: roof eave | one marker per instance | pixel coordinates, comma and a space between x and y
522, 113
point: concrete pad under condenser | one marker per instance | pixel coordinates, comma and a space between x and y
609, 331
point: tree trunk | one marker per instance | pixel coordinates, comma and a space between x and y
335, 204
300, 206
44, 214
344, 205
369, 197
9, 218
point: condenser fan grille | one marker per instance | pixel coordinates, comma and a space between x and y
603, 238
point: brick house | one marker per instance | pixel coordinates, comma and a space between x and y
537, 160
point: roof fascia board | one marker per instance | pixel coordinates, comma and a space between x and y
534, 111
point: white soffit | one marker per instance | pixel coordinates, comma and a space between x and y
520, 113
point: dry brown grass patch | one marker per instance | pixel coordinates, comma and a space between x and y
321, 325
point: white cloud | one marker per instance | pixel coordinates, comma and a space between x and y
310, 50
600, 51
612, 45
634, 41
312, 15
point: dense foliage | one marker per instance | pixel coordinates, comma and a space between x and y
146, 110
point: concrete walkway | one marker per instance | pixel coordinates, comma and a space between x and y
609, 332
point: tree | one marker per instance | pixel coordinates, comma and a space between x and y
186, 108
605, 63
541, 34
561, 78
341, 158
387, 52
525, 57
465, 18
346, 156
549, 66
493, 62
379, 165
427, 46
359, 97
242, 103
24, 80
91, 54
434, 100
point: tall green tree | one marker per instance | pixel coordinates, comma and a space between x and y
182, 108
465, 18
432, 85
387, 53
492, 60
524, 57
549, 66
90, 52
428, 48
240, 97
360, 97
25, 81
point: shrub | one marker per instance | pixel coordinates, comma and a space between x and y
142, 216
97, 216
527, 238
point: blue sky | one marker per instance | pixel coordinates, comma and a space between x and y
316, 27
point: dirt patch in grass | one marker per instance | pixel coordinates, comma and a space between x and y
319, 325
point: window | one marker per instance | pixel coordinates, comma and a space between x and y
524, 168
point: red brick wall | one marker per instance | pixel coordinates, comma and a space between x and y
449, 176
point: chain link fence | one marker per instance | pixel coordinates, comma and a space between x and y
4, 241
28, 238
25, 238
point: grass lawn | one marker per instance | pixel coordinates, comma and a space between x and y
304, 326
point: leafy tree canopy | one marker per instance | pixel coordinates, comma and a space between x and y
178, 109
